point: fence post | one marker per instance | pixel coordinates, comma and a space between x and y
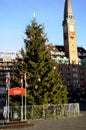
54, 111
32, 112
43, 112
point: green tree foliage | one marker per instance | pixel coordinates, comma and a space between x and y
44, 85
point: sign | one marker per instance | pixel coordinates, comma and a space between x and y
17, 91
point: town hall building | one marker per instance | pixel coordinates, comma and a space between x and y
70, 58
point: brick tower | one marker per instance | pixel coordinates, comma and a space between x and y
69, 34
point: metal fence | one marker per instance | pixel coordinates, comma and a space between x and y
44, 111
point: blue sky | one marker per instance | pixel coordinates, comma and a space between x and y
15, 15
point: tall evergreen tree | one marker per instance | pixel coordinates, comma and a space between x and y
44, 85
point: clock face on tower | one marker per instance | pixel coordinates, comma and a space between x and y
71, 31
71, 28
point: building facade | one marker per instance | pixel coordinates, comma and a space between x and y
70, 58
72, 74
6, 63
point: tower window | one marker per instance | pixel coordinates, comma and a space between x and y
70, 16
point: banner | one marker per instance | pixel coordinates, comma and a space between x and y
17, 91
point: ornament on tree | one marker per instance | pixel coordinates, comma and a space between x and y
47, 40
31, 37
41, 27
42, 34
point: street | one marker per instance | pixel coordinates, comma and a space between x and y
75, 123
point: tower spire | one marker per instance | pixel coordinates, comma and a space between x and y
69, 33
68, 12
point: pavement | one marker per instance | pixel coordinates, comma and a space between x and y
75, 123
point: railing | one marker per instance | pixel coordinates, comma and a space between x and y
45, 111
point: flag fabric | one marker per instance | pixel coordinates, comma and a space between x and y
21, 79
25, 77
25, 82
7, 80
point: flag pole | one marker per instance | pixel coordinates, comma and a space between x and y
22, 99
8, 104
7, 97
25, 96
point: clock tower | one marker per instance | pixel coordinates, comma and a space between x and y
69, 34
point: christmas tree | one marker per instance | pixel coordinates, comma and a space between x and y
44, 85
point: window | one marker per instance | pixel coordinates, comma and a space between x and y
75, 75
75, 82
74, 69
81, 76
6, 68
60, 70
81, 71
68, 82
67, 70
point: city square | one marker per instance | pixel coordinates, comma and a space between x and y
43, 85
